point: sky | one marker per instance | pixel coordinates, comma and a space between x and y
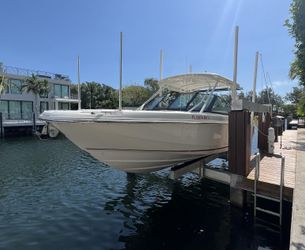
49, 35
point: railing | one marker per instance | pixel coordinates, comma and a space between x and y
74, 96
30, 72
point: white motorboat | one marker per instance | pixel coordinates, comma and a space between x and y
186, 119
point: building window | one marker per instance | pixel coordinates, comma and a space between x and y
61, 91
26, 110
57, 90
16, 110
15, 86
63, 106
4, 109
64, 91
44, 106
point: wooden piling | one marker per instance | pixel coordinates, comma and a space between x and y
275, 125
239, 142
1, 125
34, 122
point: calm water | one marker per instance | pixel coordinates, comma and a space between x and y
54, 196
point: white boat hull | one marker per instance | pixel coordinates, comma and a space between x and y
141, 147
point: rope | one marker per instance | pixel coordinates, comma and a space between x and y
260, 131
265, 78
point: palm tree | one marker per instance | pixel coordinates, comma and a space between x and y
3, 85
37, 87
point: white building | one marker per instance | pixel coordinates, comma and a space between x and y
19, 105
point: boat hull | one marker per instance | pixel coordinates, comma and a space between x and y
142, 147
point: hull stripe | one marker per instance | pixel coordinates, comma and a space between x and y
154, 150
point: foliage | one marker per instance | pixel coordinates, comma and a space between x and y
268, 96
152, 85
265, 96
296, 28
301, 106
289, 110
37, 87
74, 90
134, 95
247, 96
96, 96
3, 84
295, 95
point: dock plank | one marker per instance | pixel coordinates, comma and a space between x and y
270, 167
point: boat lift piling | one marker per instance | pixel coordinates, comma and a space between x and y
34, 128
1, 125
161, 65
78, 84
241, 163
121, 70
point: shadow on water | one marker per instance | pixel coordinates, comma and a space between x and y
197, 216
53, 195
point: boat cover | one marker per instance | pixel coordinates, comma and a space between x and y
193, 82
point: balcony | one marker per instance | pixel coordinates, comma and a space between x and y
29, 72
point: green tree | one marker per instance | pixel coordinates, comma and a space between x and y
296, 28
96, 96
297, 99
89, 93
268, 96
301, 106
135, 95
247, 96
151, 84
3, 84
290, 110
74, 90
37, 87
295, 95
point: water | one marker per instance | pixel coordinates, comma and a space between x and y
54, 196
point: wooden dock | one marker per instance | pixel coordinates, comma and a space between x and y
269, 174
270, 169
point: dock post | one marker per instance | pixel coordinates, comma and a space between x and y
1, 125
34, 122
237, 195
239, 142
239, 153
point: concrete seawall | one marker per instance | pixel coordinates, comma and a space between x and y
297, 236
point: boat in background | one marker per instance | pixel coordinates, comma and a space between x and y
185, 120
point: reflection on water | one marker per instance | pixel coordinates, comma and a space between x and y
54, 196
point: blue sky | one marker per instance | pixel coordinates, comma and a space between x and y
48, 35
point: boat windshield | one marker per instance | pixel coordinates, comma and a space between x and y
178, 101
217, 102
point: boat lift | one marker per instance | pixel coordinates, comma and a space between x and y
239, 150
